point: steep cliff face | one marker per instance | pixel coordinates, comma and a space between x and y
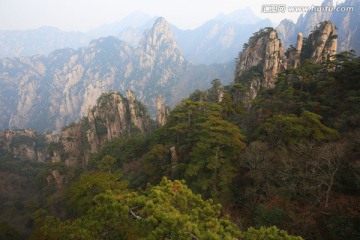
162, 112
158, 46
26, 144
113, 116
158, 62
322, 42
294, 54
19, 81
261, 60
263, 57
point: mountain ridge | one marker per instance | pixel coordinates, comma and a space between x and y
52, 91
229, 30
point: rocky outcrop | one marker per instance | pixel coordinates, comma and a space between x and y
158, 46
294, 53
288, 30
162, 112
323, 42
160, 65
26, 144
261, 60
320, 45
56, 178
113, 116
263, 57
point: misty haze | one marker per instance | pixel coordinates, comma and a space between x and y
180, 119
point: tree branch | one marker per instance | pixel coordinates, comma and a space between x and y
134, 215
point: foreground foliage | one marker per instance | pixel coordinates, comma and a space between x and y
169, 210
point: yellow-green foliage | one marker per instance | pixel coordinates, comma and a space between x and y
170, 209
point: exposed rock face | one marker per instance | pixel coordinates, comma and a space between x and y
160, 37
272, 60
323, 42
160, 63
347, 23
288, 30
56, 178
294, 55
263, 58
25, 144
113, 116
161, 114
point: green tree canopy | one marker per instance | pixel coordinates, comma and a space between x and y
169, 210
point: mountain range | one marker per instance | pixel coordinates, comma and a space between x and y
49, 92
216, 41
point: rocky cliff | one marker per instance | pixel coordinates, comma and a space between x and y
322, 42
158, 64
260, 61
113, 116
162, 112
26, 144
263, 57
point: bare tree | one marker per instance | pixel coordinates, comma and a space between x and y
326, 165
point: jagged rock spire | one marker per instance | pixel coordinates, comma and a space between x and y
263, 58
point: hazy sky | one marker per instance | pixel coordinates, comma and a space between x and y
83, 14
